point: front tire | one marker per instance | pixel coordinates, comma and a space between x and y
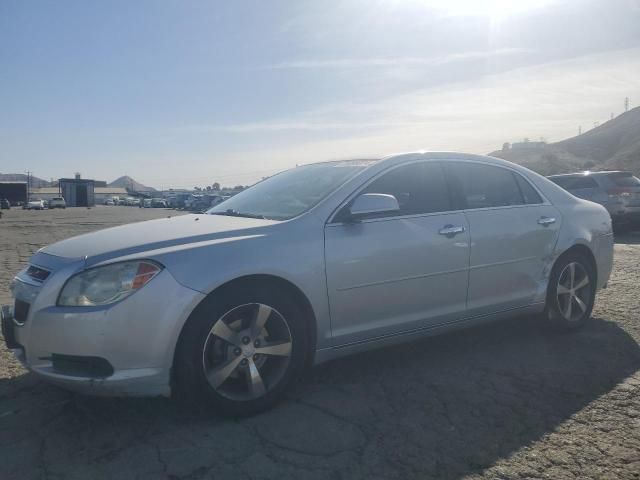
571, 292
241, 350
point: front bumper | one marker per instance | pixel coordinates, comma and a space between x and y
125, 349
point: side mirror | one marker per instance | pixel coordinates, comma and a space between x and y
369, 203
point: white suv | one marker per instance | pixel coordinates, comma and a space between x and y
57, 202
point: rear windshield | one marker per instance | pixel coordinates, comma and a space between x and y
574, 183
625, 180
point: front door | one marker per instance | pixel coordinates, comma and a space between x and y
407, 270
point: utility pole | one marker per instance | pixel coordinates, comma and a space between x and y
626, 104
579, 129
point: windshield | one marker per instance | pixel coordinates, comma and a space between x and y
289, 193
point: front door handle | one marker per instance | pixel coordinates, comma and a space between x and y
451, 230
546, 221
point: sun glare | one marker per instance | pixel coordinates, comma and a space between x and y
495, 9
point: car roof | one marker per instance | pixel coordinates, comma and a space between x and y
586, 173
422, 155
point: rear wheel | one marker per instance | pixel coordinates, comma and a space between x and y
241, 351
571, 292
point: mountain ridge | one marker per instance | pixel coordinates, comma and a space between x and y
129, 183
614, 145
22, 177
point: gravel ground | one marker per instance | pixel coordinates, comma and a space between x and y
507, 400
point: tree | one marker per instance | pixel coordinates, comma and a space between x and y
215, 186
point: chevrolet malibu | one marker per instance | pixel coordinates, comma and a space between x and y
228, 307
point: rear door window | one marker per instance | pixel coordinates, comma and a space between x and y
486, 186
531, 197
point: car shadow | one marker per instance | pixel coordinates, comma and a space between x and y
442, 407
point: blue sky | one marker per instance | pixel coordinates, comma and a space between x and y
183, 93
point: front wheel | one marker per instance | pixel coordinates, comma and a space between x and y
571, 292
241, 351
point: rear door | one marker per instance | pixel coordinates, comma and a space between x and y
399, 271
513, 230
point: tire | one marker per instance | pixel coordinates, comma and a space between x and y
570, 302
208, 348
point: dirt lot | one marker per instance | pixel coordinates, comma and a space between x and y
508, 400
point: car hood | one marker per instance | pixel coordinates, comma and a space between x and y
158, 234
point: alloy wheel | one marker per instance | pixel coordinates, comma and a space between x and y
573, 292
247, 351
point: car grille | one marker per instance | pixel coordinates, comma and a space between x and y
20, 311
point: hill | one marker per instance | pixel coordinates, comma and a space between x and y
130, 184
614, 145
22, 177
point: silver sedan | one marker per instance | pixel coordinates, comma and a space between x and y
320, 261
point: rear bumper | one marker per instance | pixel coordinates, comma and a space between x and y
624, 213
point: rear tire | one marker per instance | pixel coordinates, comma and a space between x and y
571, 292
241, 350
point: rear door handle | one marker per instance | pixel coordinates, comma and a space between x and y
451, 230
545, 221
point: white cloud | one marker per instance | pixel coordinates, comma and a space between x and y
549, 101
398, 61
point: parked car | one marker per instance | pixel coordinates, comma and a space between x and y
109, 201
34, 205
57, 202
158, 203
317, 262
617, 191
178, 200
200, 203
147, 203
4, 204
133, 202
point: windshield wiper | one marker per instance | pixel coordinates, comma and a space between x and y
233, 213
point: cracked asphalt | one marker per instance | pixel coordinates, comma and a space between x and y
507, 400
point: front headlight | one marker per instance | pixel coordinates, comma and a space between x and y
108, 284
